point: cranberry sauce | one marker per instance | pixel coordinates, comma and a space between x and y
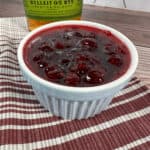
77, 56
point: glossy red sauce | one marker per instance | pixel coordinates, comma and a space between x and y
77, 56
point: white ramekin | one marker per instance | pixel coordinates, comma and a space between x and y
76, 102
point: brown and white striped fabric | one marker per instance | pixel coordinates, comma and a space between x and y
26, 125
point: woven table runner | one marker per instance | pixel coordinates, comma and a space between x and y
26, 125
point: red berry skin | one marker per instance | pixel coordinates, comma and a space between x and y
121, 50
115, 61
108, 33
72, 79
59, 45
81, 58
46, 48
65, 61
55, 75
82, 68
37, 57
94, 77
50, 68
90, 43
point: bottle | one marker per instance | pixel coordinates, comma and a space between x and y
40, 12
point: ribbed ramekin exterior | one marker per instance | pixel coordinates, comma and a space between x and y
72, 109
69, 108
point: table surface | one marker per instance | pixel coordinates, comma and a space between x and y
134, 24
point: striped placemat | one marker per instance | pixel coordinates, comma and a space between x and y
26, 125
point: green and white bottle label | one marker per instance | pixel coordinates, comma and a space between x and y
53, 9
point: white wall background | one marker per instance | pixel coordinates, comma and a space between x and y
141, 5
